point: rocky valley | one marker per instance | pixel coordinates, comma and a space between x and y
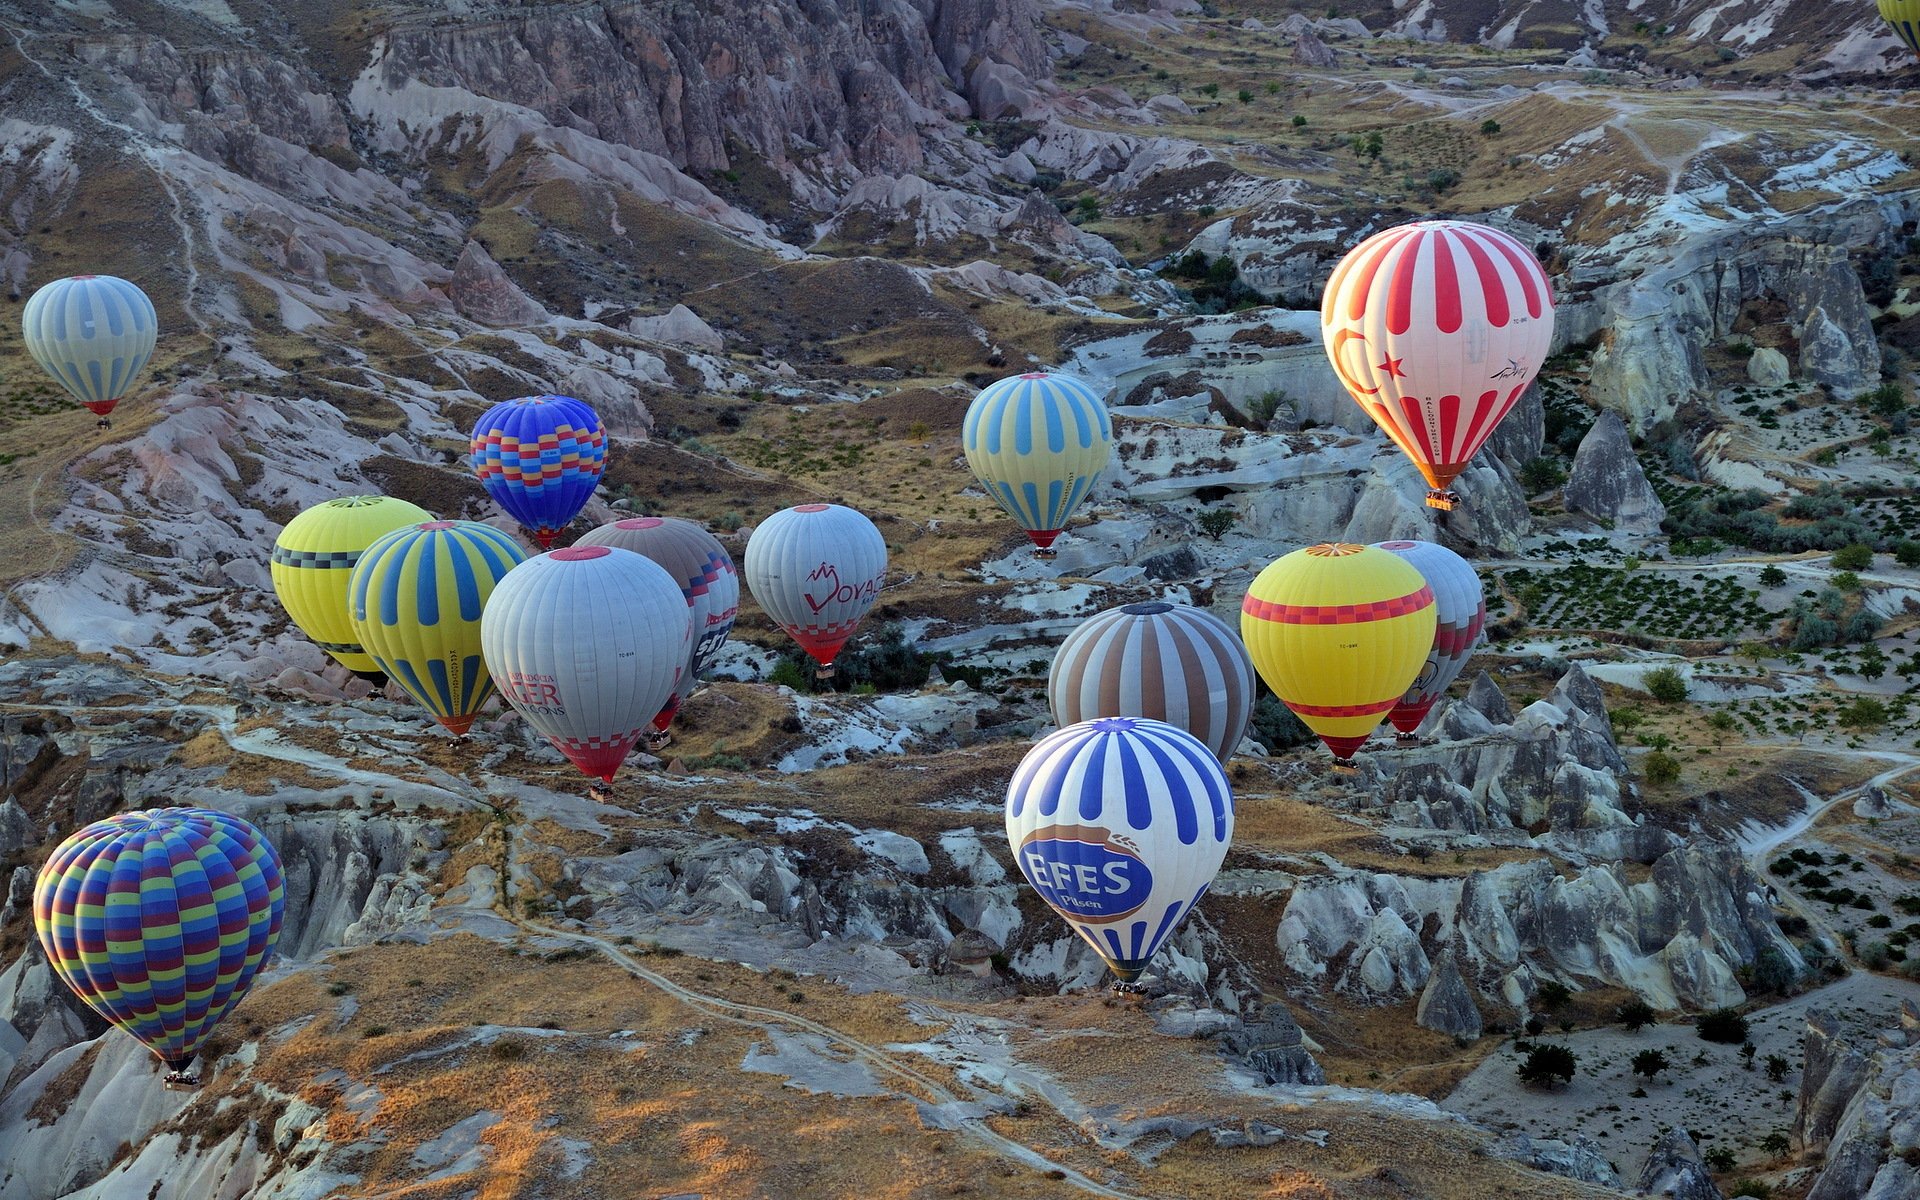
1669, 810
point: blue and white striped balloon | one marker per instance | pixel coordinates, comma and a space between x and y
93, 334
1120, 824
1036, 443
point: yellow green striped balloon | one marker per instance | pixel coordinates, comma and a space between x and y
314, 556
1904, 16
160, 920
415, 598
1036, 442
93, 334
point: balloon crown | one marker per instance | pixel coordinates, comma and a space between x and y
579, 553
639, 523
1334, 550
354, 501
1150, 608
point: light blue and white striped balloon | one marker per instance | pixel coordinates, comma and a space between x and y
93, 334
1120, 824
1036, 442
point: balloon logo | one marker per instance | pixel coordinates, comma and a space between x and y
1456, 319
1095, 874
1120, 825
160, 920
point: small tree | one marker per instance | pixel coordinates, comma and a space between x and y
1554, 995
1299, 122
1216, 521
1544, 1064
1907, 553
1665, 684
1210, 89
1541, 475
1245, 97
1649, 1063
1856, 557
1865, 714
1489, 127
1773, 577
1722, 1025
1634, 1015
1661, 768
1846, 581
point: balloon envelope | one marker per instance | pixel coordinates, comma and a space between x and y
93, 333
1037, 442
816, 569
587, 644
1120, 824
1339, 632
160, 920
1437, 328
1164, 661
1904, 16
1460, 613
704, 571
416, 597
314, 557
540, 458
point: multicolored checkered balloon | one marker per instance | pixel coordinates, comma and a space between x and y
540, 458
160, 920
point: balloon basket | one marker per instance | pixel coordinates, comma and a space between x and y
1443, 499
103, 423
823, 672
181, 1081
658, 740
600, 793
1345, 766
1047, 553
1408, 739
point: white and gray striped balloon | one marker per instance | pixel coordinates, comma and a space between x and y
1166, 662
587, 644
816, 569
93, 334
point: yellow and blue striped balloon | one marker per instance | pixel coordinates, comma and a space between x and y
1904, 16
93, 334
1037, 442
415, 598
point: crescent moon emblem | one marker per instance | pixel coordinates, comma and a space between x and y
1340, 340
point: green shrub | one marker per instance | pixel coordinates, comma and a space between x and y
1546, 1063
793, 673
1722, 1025
1772, 576
1650, 1063
1665, 684
1274, 725
1865, 713
1855, 557
1216, 521
1634, 1015
1661, 768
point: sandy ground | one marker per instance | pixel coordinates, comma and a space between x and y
1719, 1100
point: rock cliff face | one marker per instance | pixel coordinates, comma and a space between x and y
1607, 480
1861, 1108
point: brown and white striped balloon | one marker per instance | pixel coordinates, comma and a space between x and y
1166, 662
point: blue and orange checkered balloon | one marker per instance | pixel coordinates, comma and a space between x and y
540, 458
159, 920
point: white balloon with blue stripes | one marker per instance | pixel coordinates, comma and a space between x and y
1120, 824
93, 334
1037, 442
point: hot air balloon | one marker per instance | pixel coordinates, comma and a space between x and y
817, 569
1437, 328
93, 334
703, 569
1460, 611
1904, 16
540, 458
1037, 442
1120, 824
415, 598
313, 558
1339, 632
587, 644
1164, 661
160, 920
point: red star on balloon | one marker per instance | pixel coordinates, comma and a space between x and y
1392, 367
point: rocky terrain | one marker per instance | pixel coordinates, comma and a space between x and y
777, 245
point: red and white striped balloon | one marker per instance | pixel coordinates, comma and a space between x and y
1437, 328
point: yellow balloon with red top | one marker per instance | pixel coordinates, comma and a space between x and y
1339, 632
